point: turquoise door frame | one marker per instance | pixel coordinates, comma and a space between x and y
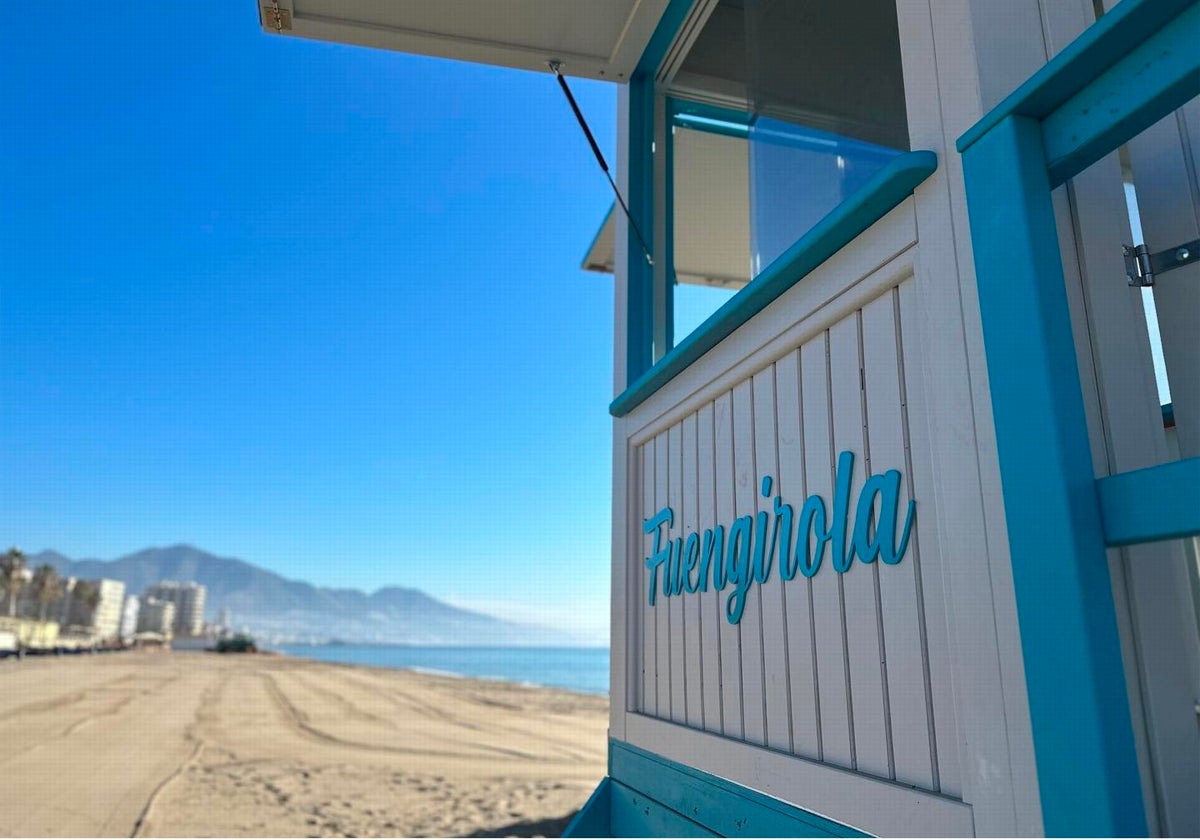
1133, 67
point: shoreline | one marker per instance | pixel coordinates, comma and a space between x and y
446, 671
190, 743
419, 671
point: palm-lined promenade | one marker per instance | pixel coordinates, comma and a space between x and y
171, 744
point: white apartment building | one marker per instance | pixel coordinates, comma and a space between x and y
129, 616
188, 599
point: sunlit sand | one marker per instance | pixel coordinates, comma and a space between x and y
194, 744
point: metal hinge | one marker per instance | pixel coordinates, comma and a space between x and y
1142, 267
273, 17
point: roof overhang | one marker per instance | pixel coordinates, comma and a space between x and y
601, 254
598, 40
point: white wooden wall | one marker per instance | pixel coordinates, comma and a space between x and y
845, 669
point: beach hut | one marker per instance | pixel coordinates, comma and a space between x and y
900, 545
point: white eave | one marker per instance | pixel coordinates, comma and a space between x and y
598, 40
601, 255
712, 214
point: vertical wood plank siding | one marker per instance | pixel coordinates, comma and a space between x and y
852, 669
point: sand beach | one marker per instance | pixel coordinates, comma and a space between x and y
197, 744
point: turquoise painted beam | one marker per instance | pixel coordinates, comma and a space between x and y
886, 189
714, 805
1085, 59
639, 306
1154, 78
592, 820
1157, 503
639, 275
1083, 737
634, 814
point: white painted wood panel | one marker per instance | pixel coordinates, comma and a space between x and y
660, 612
832, 674
869, 721
732, 723
623, 620
676, 631
647, 627
810, 664
927, 555
710, 600
796, 593
693, 654
750, 628
948, 378
909, 691
776, 685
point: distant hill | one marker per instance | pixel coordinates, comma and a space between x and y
279, 609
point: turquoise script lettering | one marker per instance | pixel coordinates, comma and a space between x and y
779, 538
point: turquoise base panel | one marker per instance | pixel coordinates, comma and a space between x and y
647, 795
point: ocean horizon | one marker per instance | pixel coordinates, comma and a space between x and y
583, 669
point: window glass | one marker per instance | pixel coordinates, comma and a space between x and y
827, 94
797, 175
780, 110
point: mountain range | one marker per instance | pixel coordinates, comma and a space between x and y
277, 609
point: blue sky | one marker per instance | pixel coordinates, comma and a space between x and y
312, 306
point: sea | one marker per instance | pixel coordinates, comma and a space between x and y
578, 669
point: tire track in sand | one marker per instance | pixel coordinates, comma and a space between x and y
71, 698
140, 822
205, 713
348, 706
127, 695
300, 723
405, 702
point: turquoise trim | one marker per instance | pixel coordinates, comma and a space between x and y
633, 814
648, 795
739, 132
1083, 738
887, 188
667, 249
639, 305
1157, 503
685, 108
1083, 61
592, 819
710, 118
1128, 98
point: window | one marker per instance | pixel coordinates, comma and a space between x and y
768, 115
